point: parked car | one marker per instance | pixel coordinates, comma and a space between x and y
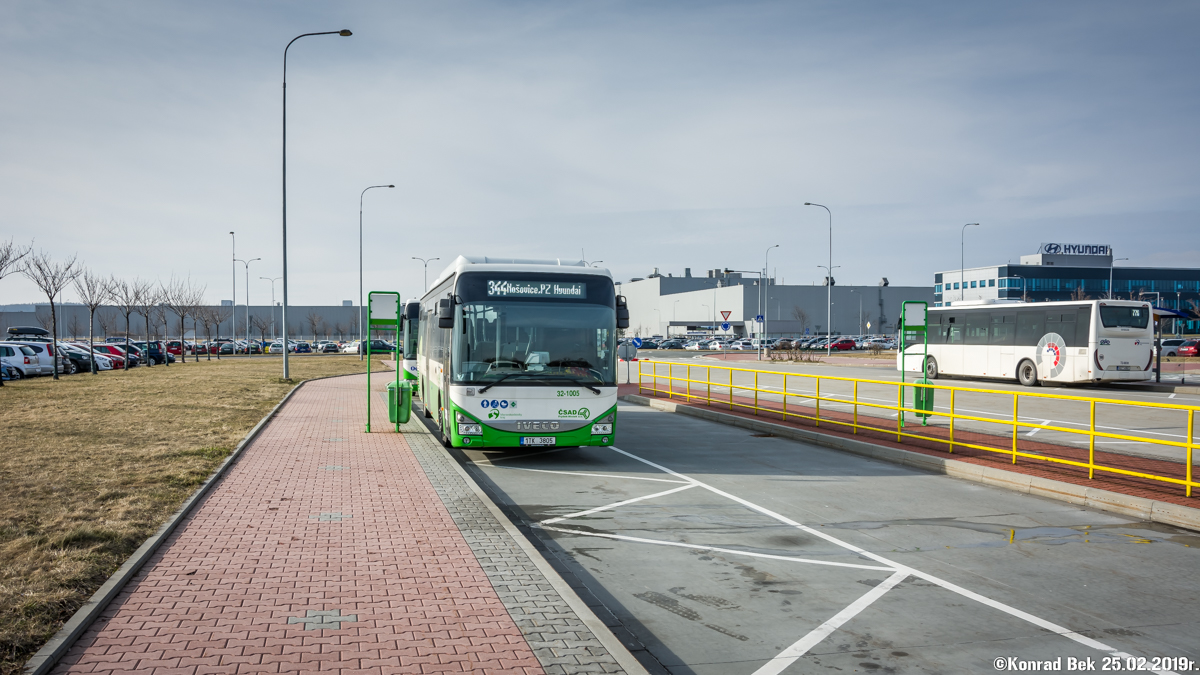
80, 360
1170, 347
843, 344
741, 345
303, 348
329, 348
154, 351
19, 359
45, 363
114, 353
1189, 347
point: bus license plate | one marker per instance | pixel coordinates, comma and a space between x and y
537, 440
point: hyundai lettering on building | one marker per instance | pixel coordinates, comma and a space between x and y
1075, 249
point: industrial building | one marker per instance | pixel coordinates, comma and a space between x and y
678, 305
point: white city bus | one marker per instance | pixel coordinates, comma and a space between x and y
1077, 341
520, 353
409, 333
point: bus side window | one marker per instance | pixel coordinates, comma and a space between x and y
1004, 329
977, 328
937, 332
1031, 326
954, 331
1064, 324
1083, 326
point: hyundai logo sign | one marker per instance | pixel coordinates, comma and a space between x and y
1075, 249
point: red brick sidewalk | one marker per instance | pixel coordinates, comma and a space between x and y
316, 517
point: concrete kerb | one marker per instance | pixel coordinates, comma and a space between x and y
54, 649
615, 647
1105, 500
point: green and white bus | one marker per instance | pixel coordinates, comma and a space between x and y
409, 334
520, 353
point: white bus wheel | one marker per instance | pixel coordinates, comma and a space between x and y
931, 368
1027, 373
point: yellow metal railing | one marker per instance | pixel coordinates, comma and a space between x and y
680, 383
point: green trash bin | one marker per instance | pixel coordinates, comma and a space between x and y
923, 398
399, 402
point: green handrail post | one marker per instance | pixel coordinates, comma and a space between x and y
389, 314
914, 318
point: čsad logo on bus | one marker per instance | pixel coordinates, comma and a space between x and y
581, 413
1051, 353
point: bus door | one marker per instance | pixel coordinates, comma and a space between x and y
975, 344
1002, 339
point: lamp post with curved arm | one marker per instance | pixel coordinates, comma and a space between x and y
247, 264
425, 278
828, 279
283, 313
272, 280
1110, 276
762, 343
360, 263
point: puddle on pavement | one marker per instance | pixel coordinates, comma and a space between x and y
1116, 533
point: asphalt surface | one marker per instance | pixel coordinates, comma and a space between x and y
712, 550
1138, 422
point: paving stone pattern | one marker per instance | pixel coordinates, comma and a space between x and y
251, 583
559, 639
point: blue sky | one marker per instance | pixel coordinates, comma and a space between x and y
670, 135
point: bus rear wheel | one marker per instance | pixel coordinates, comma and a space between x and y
1027, 373
931, 368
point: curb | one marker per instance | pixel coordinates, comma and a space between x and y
56, 647
624, 658
1105, 500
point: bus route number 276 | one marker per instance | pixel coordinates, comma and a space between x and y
568, 392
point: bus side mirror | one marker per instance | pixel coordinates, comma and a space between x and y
445, 313
622, 312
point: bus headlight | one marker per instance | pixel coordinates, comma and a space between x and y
601, 429
466, 427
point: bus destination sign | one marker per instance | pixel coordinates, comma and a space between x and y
536, 289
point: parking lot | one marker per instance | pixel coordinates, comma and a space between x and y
710, 549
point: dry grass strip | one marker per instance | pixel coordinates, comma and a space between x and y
90, 466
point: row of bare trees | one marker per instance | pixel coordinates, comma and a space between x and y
154, 302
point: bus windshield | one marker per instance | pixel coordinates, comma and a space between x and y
534, 342
1124, 317
412, 329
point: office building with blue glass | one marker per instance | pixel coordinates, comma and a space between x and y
1075, 271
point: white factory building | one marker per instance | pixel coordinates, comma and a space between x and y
664, 304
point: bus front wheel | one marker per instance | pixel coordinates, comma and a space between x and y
1027, 373
931, 369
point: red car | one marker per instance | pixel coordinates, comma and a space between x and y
112, 352
844, 344
1189, 347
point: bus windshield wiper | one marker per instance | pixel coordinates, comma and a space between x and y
502, 378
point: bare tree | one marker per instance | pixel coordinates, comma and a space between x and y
340, 329
800, 315
147, 304
107, 320
195, 303
1078, 294
205, 316
127, 296
11, 259
180, 296
74, 327
51, 277
219, 315
92, 290
43, 317
261, 324
314, 322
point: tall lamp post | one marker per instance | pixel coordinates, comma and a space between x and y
272, 280
283, 312
425, 278
247, 264
762, 343
1110, 276
962, 261
233, 274
860, 317
360, 264
828, 281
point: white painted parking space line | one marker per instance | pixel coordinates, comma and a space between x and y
790, 655
578, 473
718, 549
1013, 611
1035, 430
606, 507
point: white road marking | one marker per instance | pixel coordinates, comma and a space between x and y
579, 473
1041, 623
790, 655
606, 507
699, 547
1171, 396
1035, 429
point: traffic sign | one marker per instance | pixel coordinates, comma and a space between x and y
868, 325
637, 343
725, 315
759, 318
725, 326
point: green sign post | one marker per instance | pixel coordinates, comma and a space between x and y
914, 325
384, 312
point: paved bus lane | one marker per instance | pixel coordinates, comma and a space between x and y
720, 551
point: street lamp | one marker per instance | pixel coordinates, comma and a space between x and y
962, 261
283, 312
860, 321
828, 307
763, 310
233, 308
1110, 276
674, 307
247, 264
828, 280
272, 302
425, 277
360, 263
